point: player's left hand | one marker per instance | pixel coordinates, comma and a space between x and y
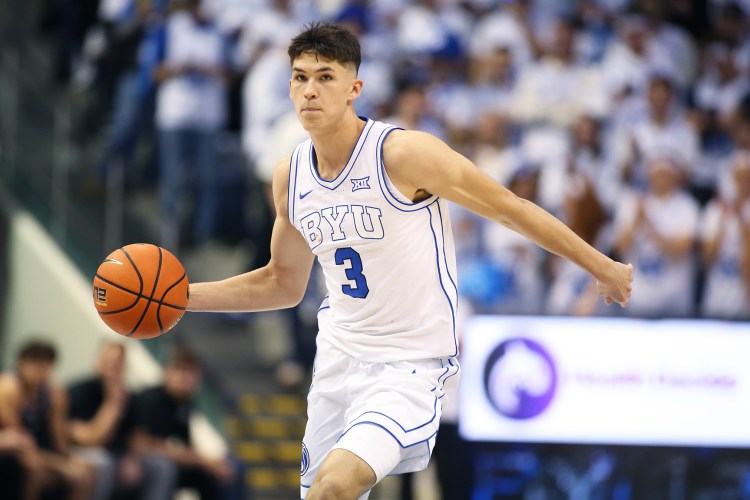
618, 285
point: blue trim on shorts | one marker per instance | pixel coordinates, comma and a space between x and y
388, 431
434, 414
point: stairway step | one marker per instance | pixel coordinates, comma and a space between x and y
271, 478
266, 427
274, 404
286, 452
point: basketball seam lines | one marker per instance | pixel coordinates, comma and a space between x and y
137, 272
140, 296
148, 304
158, 308
137, 296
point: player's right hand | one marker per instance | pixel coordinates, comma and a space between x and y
618, 285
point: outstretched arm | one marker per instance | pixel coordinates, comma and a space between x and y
418, 162
279, 284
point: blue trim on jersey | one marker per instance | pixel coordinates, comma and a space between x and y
445, 255
440, 277
291, 190
324, 304
447, 369
382, 176
458, 369
336, 182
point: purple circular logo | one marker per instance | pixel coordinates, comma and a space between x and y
520, 378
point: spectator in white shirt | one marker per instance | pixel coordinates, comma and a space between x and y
632, 58
725, 245
722, 84
190, 113
558, 88
662, 130
656, 231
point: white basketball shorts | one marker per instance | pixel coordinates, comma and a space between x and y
385, 413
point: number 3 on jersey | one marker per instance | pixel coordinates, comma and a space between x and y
353, 272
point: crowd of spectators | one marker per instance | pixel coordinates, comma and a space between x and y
98, 440
628, 119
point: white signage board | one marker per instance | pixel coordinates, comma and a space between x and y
606, 381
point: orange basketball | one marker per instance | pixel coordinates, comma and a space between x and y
141, 291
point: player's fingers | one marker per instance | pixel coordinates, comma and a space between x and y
608, 300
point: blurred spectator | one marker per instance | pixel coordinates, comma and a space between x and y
162, 434
725, 238
591, 191
656, 231
429, 28
508, 26
190, 114
721, 84
729, 20
558, 88
13, 443
675, 40
412, 112
493, 151
489, 87
516, 264
262, 27
377, 67
632, 58
596, 30
32, 405
265, 91
67, 22
135, 49
661, 130
101, 423
496, 77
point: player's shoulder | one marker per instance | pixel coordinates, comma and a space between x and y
281, 174
403, 145
282, 168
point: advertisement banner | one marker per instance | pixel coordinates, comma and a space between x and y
605, 381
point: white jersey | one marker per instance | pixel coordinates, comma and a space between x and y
389, 264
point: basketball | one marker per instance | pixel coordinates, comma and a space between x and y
141, 291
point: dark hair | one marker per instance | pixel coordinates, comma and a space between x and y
182, 357
37, 350
327, 40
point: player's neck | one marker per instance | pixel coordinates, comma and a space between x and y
334, 146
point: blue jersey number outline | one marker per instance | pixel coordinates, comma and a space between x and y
353, 272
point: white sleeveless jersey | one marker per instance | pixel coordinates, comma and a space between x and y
389, 264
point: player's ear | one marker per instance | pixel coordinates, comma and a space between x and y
356, 89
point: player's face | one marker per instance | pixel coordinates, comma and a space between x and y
321, 90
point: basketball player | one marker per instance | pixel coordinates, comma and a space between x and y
369, 201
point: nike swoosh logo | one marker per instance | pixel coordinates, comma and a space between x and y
302, 195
